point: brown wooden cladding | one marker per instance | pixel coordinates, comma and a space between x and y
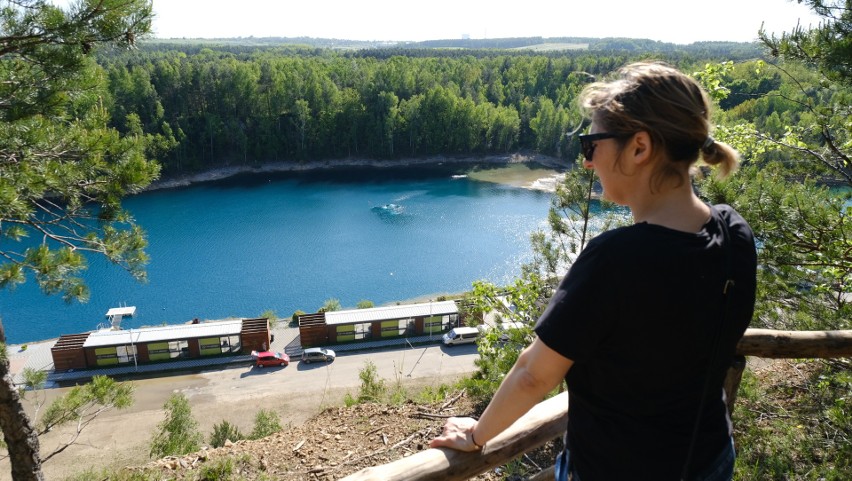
255, 335
68, 352
312, 330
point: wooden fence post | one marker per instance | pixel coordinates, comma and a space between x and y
732, 381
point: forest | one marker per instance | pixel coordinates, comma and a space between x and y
211, 105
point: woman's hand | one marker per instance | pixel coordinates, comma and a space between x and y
457, 434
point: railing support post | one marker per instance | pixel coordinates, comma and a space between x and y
732, 381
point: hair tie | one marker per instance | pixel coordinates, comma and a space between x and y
708, 143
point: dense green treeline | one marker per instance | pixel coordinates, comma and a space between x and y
217, 108
204, 107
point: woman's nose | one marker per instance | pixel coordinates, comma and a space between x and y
587, 164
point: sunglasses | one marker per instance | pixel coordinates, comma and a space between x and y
587, 144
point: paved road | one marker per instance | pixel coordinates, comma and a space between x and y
312, 381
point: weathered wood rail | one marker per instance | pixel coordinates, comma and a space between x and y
547, 420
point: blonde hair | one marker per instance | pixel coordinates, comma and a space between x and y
670, 106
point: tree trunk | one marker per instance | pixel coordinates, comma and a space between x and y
20, 435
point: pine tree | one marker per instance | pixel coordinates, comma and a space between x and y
63, 171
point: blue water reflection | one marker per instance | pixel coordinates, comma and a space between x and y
290, 241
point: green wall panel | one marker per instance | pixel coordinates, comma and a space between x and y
390, 328
345, 333
159, 351
209, 346
106, 356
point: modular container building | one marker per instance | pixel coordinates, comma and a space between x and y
111, 347
359, 325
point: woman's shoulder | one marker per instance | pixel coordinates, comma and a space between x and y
734, 220
622, 240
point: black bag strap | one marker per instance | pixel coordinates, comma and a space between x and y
729, 282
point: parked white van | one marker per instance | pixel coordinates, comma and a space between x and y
461, 335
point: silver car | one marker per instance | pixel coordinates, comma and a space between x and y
317, 354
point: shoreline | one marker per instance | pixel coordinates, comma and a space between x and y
219, 173
15, 349
546, 184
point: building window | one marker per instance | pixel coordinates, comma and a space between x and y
436, 324
178, 349
362, 331
406, 327
125, 354
230, 344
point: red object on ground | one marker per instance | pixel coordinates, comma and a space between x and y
269, 358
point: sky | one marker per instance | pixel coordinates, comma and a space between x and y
677, 21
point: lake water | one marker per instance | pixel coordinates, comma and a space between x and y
282, 242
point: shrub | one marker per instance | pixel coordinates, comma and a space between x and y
294, 319
331, 305
364, 304
225, 431
220, 469
266, 422
271, 316
372, 388
178, 434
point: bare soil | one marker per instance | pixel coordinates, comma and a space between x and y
338, 442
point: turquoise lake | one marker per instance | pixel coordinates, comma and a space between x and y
288, 241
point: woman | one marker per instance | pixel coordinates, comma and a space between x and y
632, 326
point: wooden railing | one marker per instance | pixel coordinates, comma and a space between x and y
548, 419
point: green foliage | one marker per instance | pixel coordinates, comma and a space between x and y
432, 394
56, 143
804, 233
82, 403
178, 434
330, 305
294, 319
204, 108
365, 304
826, 47
218, 470
271, 316
373, 388
224, 431
266, 422
33, 379
713, 77
795, 427
230, 468
116, 475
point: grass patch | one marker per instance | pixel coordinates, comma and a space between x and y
793, 421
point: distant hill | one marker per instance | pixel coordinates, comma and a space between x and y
534, 44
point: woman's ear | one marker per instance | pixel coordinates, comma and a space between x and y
642, 148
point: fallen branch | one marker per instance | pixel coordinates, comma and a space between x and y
431, 415
374, 430
452, 400
404, 441
299, 446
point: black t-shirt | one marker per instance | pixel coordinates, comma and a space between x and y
637, 313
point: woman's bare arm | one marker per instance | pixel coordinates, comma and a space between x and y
537, 371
